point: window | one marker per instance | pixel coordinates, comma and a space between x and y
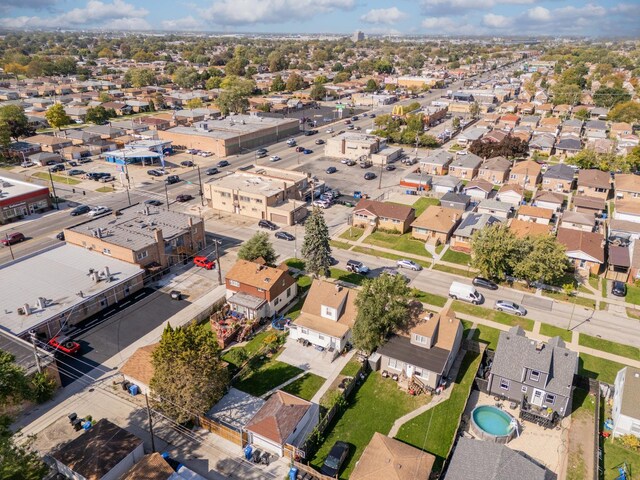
305, 331
534, 375
141, 255
635, 428
225, 194
106, 251
524, 389
393, 363
234, 283
420, 339
276, 301
257, 200
504, 384
289, 292
261, 290
244, 198
550, 399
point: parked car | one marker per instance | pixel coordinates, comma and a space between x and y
510, 307
319, 141
187, 163
64, 344
153, 201
329, 130
321, 204
462, 291
171, 179
155, 173
350, 163
285, 236
100, 210
27, 164
175, 295
106, 178
347, 122
11, 238
357, 267
369, 176
222, 163
267, 224
80, 210
204, 262
351, 127
211, 171
75, 171
57, 168
390, 168
484, 283
331, 170
274, 158
619, 289
184, 197
410, 264
335, 459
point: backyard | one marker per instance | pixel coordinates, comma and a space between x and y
581, 438
265, 374
488, 335
598, 368
402, 243
494, 315
421, 204
615, 454
305, 386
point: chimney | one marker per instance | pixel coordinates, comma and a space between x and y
41, 303
338, 288
539, 346
107, 273
27, 309
190, 222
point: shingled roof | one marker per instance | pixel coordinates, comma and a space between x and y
279, 417
386, 210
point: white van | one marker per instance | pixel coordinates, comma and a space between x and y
468, 293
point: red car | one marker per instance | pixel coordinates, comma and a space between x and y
64, 344
204, 262
11, 238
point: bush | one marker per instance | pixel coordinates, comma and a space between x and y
630, 441
42, 387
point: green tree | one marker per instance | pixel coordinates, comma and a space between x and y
382, 309
186, 77
383, 65
341, 77
566, 94
5, 135
610, 96
474, 109
140, 77
104, 97
541, 259
98, 115
57, 117
318, 92
277, 61
586, 158
213, 82
194, 103
18, 462
16, 121
295, 82
14, 385
495, 251
456, 122
189, 377
320, 79
371, 86
582, 114
316, 249
278, 85
256, 247
625, 112
236, 66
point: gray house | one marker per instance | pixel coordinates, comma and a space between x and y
458, 201
558, 178
537, 375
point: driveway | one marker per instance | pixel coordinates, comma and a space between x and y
310, 359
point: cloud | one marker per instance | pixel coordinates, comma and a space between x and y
496, 21
32, 4
451, 6
539, 14
185, 23
387, 16
450, 26
246, 12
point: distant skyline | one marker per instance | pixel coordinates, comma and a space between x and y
599, 18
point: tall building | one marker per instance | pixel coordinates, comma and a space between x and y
358, 36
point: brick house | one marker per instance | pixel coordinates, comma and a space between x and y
584, 249
558, 178
495, 170
436, 224
594, 183
526, 174
384, 216
465, 167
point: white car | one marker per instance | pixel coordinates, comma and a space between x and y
321, 204
95, 211
274, 158
410, 264
329, 130
27, 164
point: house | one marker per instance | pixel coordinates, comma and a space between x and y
594, 183
44, 159
543, 143
390, 459
599, 113
457, 201
495, 170
620, 128
584, 249
465, 167
510, 193
558, 178
541, 215
437, 163
49, 143
151, 467
427, 353
627, 210
551, 200
568, 145
619, 262
595, 129
469, 136
445, 184
436, 224
627, 186
495, 207
533, 373
495, 136
526, 174
523, 228
478, 189
589, 204
284, 419
481, 460
383, 216
257, 290
562, 110
530, 121
470, 224
578, 221
138, 369
573, 125
327, 316
626, 408
118, 451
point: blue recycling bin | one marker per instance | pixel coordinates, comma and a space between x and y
248, 451
134, 390
86, 425
293, 473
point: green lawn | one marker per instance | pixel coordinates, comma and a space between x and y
563, 297
56, 178
454, 271
435, 429
340, 245
598, 368
456, 257
604, 287
430, 298
488, 335
390, 256
107, 189
267, 374
439, 248
296, 263
352, 233
402, 243
351, 368
609, 346
633, 294
552, 331
345, 276
494, 315
422, 203
615, 454
232, 356
602, 305
306, 386
376, 405
593, 281
304, 283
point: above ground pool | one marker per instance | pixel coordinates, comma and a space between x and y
491, 423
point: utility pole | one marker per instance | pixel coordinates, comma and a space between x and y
153, 444
201, 189
380, 177
166, 194
53, 189
32, 335
216, 243
6, 235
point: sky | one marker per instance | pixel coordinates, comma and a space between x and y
418, 17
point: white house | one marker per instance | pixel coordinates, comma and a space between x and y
628, 210
327, 316
626, 407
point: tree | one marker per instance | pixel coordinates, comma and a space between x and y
5, 135
140, 77
541, 259
18, 461
371, 86
213, 82
530, 87
98, 115
235, 66
189, 377
341, 77
316, 249
295, 82
383, 65
14, 385
610, 96
508, 147
278, 85
15, 120
277, 61
456, 122
318, 92
104, 97
258, 246
582, 114
566, 94
495, 250
186, 77
194, 103
586, 158
474, 109
625, 112
57, 117
382, 308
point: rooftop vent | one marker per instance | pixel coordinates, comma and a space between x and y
539, 346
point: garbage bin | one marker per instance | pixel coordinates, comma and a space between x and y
134, 390
293, 473
248, 452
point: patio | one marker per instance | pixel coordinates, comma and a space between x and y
310, 359
545, 446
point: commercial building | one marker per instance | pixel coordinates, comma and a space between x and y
147, 236
233, 134
62, 285
262, 193
357, 36
20, 199
359, 146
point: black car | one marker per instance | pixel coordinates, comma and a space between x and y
187, 163
185, 197
211, 171
154, 173
57, 168
484, 283
335, 459
285, 236
267, 224
369, 176
619, 289
331, 170
261, 151
60, 236
223, 163
171, 179
80, 210
390, 168
154, 202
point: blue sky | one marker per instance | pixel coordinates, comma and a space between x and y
435, 17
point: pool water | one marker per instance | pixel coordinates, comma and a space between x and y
493, 420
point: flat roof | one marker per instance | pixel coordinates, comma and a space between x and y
233, 126
22, 352
11, 188
236, 408
57, 274
251, 183
134, 228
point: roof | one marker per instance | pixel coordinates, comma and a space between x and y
234, 126
444, 181
257, 275
12, 188
440, 157
511, 187
390, 459
328, 294
480, 184
594, 178
631, 392
383, 209
579, 218
527, 167
151, 467
538, 212
139, 366
549, 197
499, 164
560, 172
473, 222
585, 201
113, 443
236, 408
630, 207
438, 219
515, 351
522, 228
493, 204
279, 416
619, 256
399, 347
627, 182
453, 197
586, 242
481, 460
469, 160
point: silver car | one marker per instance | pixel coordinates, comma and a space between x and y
510, 307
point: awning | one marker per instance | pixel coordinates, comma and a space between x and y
245, 300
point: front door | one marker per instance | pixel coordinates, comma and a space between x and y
410, 369
537, 397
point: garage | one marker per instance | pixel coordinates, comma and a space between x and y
262, 443
281, 219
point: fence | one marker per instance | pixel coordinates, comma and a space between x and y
598, 462
228, 433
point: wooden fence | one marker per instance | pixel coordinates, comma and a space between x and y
228, 433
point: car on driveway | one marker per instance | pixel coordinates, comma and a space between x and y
331, 170
484, 283
337, 455
619, 289
274, 158
187, 163
11, 238
510, 307
154, 202
211, 171
64, 344
369, 176
155, 173
80, 210
184, 197
267, 224
100, 210
204, 262
410, 264
285, 236
222, 163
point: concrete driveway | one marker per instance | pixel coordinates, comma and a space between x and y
310, 359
